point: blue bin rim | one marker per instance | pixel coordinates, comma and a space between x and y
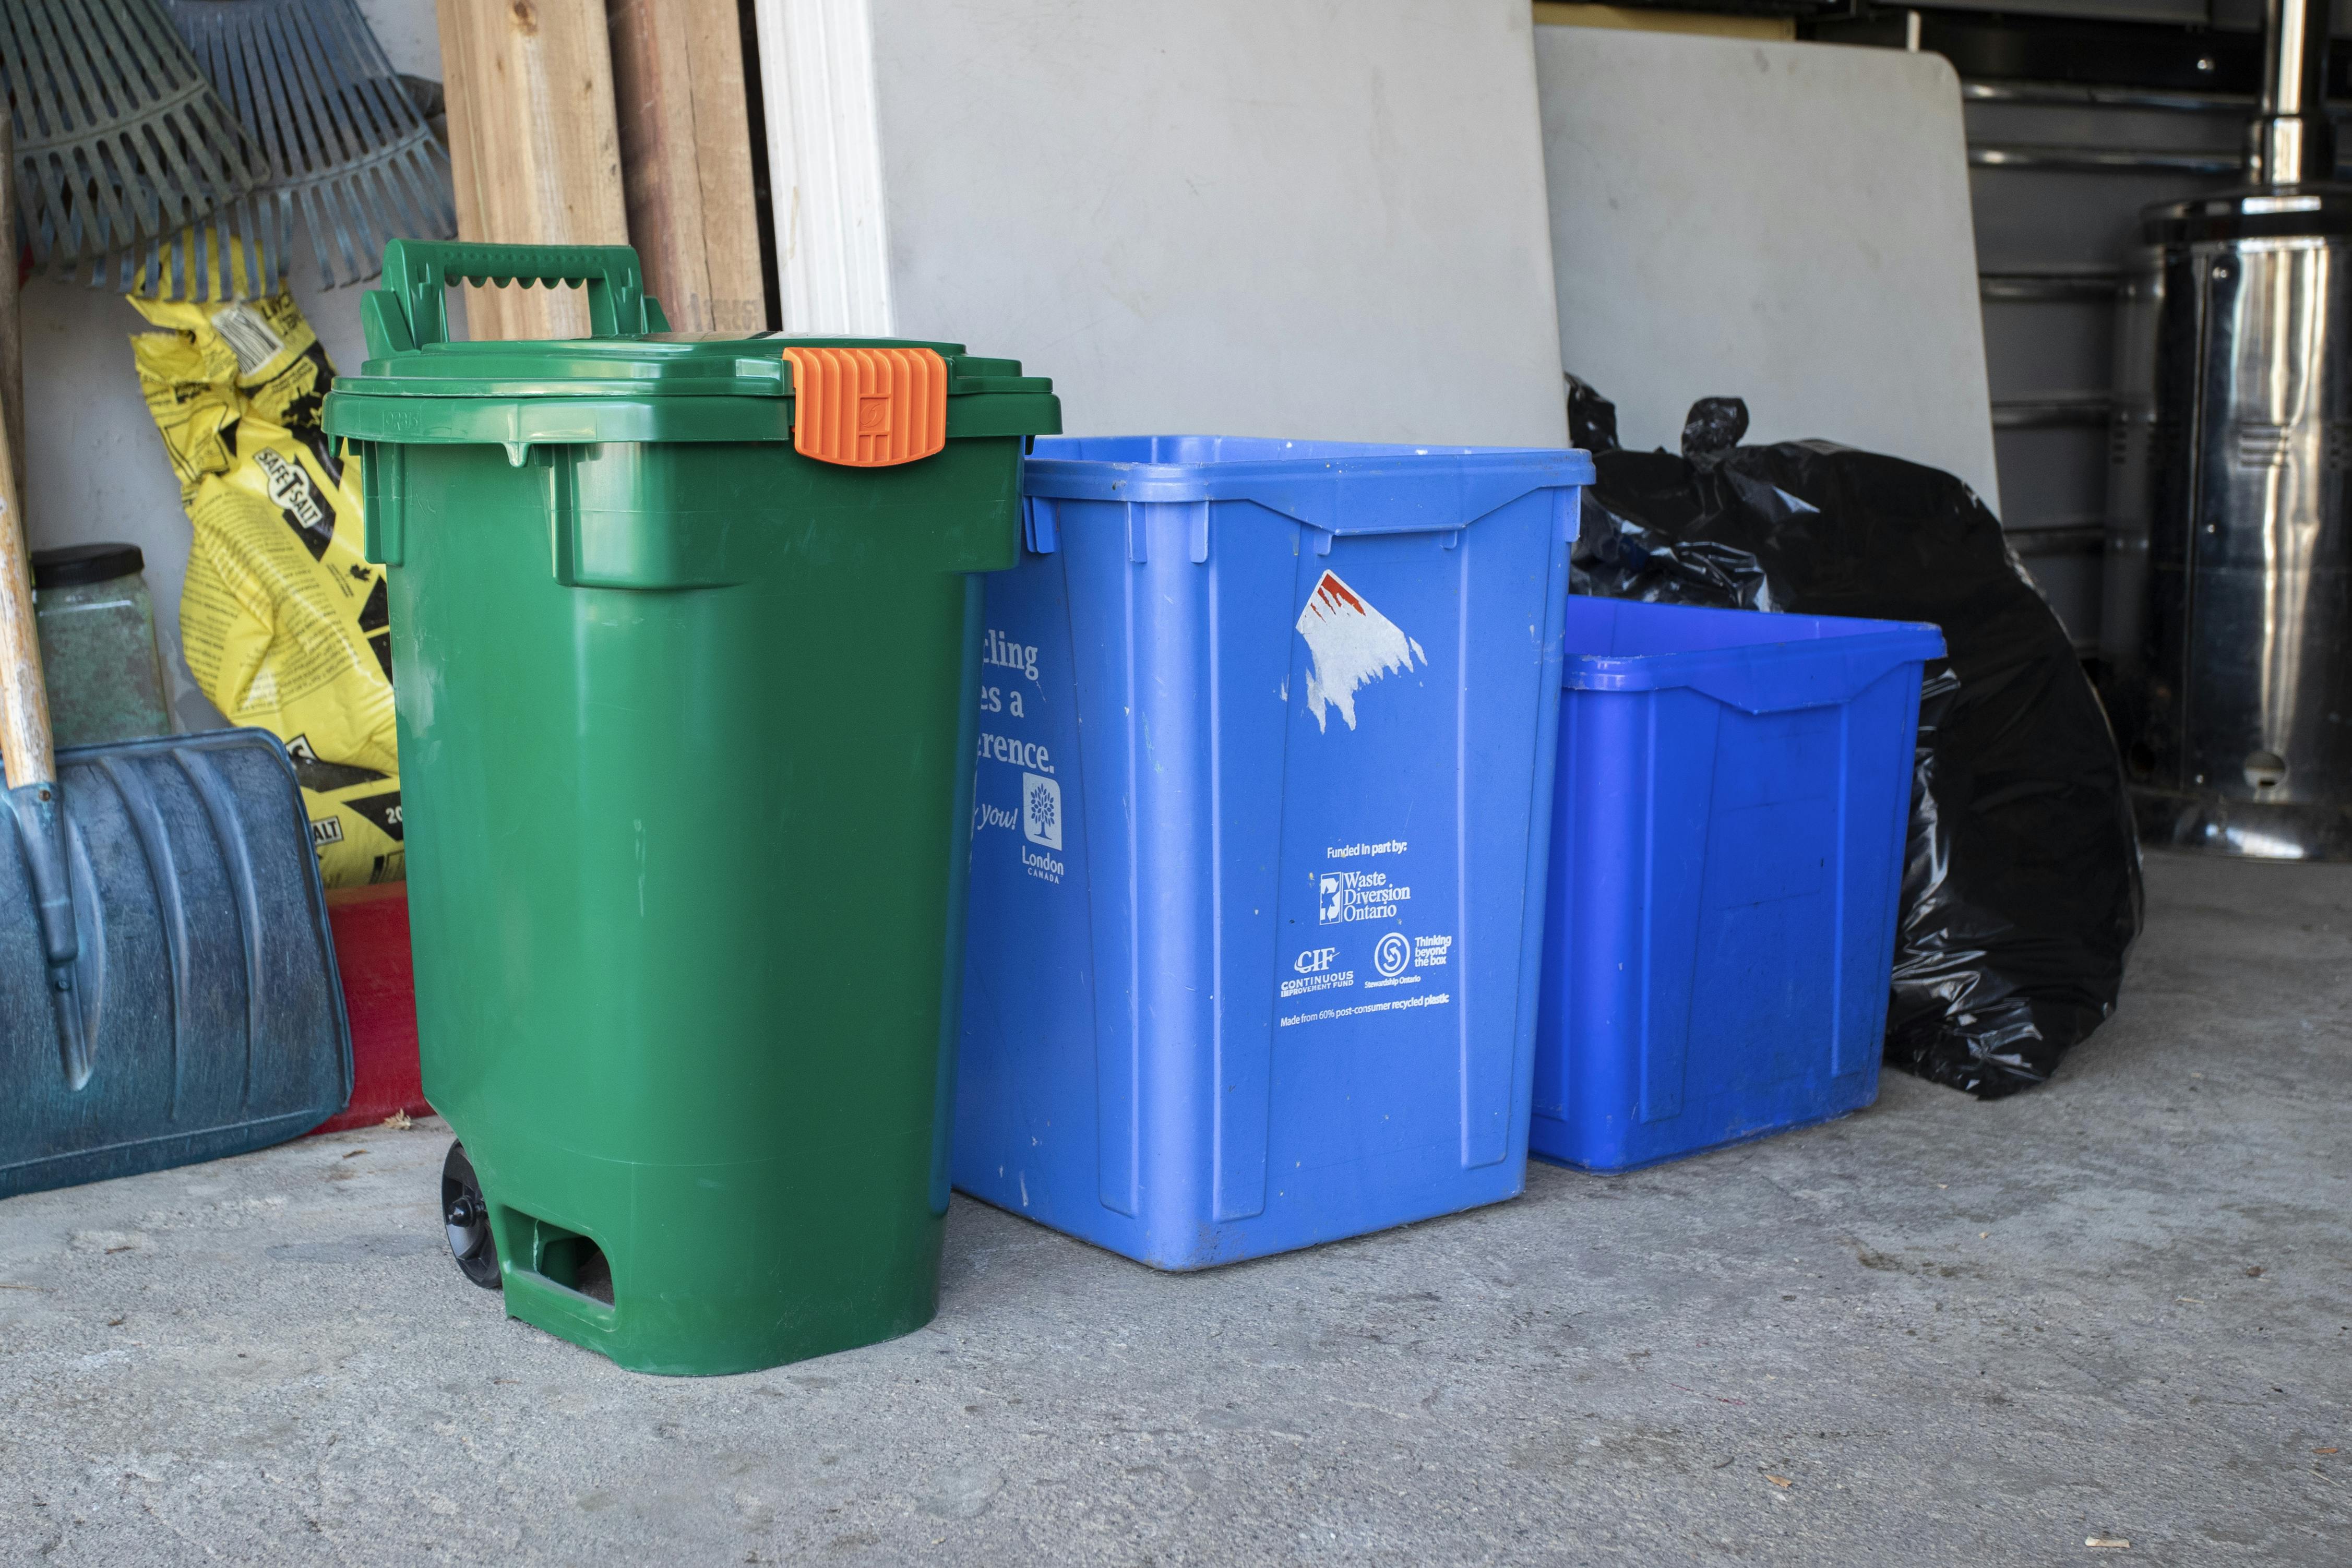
1343, 487
1770, 674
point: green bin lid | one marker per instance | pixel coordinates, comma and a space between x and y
633, 380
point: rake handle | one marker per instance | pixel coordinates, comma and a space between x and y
26, 748
29, 755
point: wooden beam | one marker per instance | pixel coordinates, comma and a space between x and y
534, 146
685, 160
12, 332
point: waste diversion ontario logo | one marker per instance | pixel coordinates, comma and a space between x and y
1041, 810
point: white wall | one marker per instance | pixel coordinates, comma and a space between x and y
95, 467
1316, 220
1783, 223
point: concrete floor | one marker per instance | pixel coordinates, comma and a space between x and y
1938, 1332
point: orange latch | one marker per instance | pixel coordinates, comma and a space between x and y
869, 408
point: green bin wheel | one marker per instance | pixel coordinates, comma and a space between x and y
467, 1220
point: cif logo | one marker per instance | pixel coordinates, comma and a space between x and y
1315, 960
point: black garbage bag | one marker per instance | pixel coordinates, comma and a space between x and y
2021, 881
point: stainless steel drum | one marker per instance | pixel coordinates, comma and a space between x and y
2227, 639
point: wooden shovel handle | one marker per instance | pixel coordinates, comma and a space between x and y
25, 748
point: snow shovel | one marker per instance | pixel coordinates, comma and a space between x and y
167, 982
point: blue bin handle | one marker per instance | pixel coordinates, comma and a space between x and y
412, 311
1806, 671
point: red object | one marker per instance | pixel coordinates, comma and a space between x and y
370, 926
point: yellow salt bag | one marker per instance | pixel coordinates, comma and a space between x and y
283, 621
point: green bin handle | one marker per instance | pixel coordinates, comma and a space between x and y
411, 312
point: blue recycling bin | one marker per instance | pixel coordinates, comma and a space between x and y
1733, 798
1266, 740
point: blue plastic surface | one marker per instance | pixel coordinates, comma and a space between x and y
1726, 851
213, 1016
1254, 940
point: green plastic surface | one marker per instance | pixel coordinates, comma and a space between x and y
418, 273
685, 739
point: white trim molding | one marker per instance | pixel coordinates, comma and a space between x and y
825, 166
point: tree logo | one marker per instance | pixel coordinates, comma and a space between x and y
1041, 810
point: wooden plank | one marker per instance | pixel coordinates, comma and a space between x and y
530, 84
11, 327
686, 157
722, 134
482, 314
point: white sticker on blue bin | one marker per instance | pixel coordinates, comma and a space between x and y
1353, 645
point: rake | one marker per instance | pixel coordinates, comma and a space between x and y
351, 163
120, 140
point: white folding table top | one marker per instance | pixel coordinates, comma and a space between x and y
1783, 223
1227, 216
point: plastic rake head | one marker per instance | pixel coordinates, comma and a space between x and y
350, 161
120, 138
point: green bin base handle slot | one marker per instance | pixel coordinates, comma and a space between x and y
412, 313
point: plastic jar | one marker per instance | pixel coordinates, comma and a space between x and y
97, 628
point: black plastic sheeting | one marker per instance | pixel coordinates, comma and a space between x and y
2021, 881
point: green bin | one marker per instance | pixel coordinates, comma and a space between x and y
684, 635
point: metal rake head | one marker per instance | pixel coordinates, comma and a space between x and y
351, 163
120, 138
